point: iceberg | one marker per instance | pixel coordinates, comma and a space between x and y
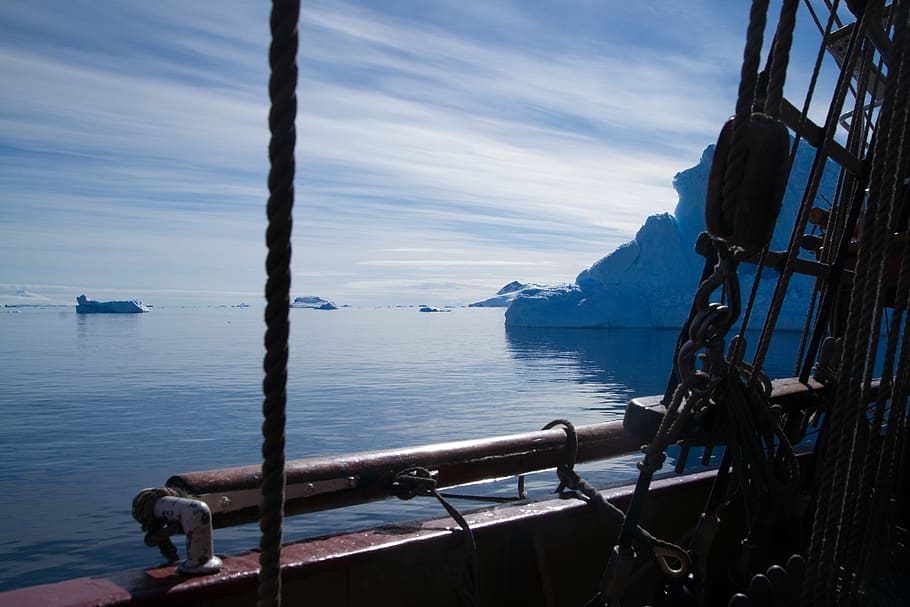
22, 298
507, 294
649, 282
432, 309
84, 305
313, 302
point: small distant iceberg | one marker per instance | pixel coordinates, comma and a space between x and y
432, 309
84, 305
506, 295
315, 303
22, 298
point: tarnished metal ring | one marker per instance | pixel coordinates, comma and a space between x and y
685, 361
702, 324
709, 323
708, 286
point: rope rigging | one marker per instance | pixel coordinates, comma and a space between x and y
841, 532
282, 92
713, 395
720, 395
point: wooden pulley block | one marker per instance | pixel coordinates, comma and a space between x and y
750, 223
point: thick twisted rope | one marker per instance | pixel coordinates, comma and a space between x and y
783, 40
282, 91
736, 163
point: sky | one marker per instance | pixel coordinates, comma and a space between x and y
444, 149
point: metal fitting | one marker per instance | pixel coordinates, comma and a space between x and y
195, 518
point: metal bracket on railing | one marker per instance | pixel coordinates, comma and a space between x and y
159, 509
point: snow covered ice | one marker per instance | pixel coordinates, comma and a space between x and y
506, 295
649, 282
311, 301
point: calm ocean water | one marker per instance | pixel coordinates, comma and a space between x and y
94, 408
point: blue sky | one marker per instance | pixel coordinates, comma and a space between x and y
444, 148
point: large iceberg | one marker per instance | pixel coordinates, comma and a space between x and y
84, 305
650, 281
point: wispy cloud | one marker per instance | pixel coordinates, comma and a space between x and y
443, 263
519, 139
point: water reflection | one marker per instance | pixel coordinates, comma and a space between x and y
105, 326
624, 362
634, 362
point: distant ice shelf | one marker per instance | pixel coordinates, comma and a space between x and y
84, 305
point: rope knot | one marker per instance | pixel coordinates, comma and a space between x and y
568, 479
651, 463
144, 505
158, 531
415, 481
412, 482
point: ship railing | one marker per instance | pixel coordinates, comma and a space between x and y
232, 495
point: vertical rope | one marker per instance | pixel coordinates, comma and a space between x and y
740, 351
783, 40
282, 92
872, 477
811, 189
848, 199
862, 335
848, 407
817, 579
736, 162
